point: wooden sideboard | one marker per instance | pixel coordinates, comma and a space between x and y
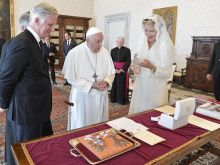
197, 64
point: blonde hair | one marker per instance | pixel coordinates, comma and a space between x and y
148, 21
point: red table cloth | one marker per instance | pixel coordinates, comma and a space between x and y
56, 149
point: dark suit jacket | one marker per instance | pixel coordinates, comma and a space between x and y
214, 63
51, 49
24, 81
67, 48
2, 41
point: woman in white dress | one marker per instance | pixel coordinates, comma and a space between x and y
152, 66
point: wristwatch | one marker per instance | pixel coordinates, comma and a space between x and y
153, 70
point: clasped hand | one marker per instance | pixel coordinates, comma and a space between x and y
119, 71
100, 85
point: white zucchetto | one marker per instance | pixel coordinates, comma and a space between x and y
92, 31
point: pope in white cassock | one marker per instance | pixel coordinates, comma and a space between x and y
89, 69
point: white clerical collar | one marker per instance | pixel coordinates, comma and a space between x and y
36, 36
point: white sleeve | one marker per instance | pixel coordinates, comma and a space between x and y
83, 85
109, 79
69, 73
163, 73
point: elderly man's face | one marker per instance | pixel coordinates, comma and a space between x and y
47, 26
95, 42
120, 42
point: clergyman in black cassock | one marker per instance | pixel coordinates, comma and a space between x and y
121, 57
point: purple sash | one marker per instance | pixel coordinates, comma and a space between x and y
119, 65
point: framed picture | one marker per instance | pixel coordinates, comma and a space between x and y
7, 19
170, 16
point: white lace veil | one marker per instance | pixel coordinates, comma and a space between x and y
165, 44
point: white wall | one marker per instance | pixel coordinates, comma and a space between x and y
194, 18
81, 8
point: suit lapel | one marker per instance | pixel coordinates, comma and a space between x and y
37, 49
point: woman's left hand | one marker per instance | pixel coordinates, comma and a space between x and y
147, 64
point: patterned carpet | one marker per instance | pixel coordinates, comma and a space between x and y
59, 113
208, 154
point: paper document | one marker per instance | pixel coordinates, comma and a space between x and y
203, 123
167, 109
149, 137
127, 124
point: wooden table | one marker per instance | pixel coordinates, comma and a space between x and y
168, 158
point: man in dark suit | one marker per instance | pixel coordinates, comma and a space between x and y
214, 70
49, 53
25, 89
23, 23
121, 57
68, 44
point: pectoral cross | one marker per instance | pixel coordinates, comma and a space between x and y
95, 76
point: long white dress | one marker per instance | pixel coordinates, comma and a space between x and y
150, 89
90, 105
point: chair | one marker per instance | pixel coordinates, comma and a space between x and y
170, 80
179, 76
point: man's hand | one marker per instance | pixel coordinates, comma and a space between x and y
119, 71
100, 85
2, 110
209, 77
51, 54
103, 85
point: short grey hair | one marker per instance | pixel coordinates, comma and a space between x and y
24, 20
42, 10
